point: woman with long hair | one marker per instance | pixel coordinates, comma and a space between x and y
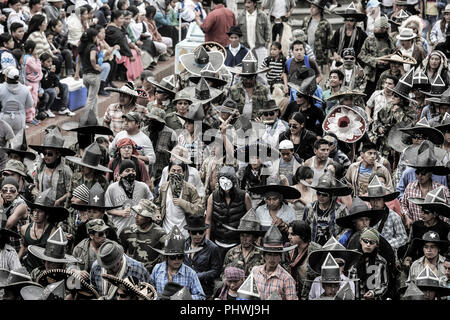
302, 182
91, 69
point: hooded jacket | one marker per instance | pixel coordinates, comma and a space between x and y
15, 97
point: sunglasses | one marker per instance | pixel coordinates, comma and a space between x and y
49, 154
177, 257
285, 154
322, 194
293, 126
367, 241
350, 19
349, 58
270, 113
6, 174
425, 211
195, 232
102, 233
10, 190
422, 172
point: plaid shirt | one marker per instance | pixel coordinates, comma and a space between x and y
113, 116
133, 268
195, 149
413, 191
280, 281
394, 231
9, 259
185, 276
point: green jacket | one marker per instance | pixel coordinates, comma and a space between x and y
373, 48
263, 29
260, 95
235, 258
322, 39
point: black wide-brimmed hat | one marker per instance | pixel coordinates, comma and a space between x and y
423, 128
96, 199
53, 140
444, 98
194, 62
351, 12
428, 280
175, 244
195, 113
249, 223
16, 279
273, 241
433, 237
196, 223
405, 85
274, 185
88, 124
45, 201
235, 30
209, 74
377, 190
337, 250
8, 233
307, 88
403, 15
328, 184
91, 158
420, 80
358, 210
171, 289
397, 139
437, 87
143, 290
249, 66
444, 126
201, 92
19, 146
424, 156
435, 201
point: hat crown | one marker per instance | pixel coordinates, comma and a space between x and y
273, 237
54, 139
248, 289
407, 32
202, 91
326, 181
358, 206
56, 244
182, 294
96, 225
175, 242
208, 71
18, 275
109, 253
230, 103
345, 293
308, 86
250, 221
92, 155
46, 198
88, 118
431, 236
376, 188
196, 222
158, 112
446, 118
330, 269
348, 51
269, 105
332, 244
413, 292
19, 142
201, 56
15, 165
249, 63
438, 85
196, 112
97, 196
427, 278
168, 82
436, 196
54, 291
402, 15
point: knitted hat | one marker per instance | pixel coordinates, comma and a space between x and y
370, 234
381, 22
81, 192
126, 164
234, 274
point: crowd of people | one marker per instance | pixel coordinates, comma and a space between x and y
281, 163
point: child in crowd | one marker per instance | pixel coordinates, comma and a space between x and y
33, 76
6, 57
276, 62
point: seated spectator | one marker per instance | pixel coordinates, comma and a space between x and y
33, 73
60, 46
17, 32
7, 59
108, 60
15, 14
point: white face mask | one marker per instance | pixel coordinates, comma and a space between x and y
225, 183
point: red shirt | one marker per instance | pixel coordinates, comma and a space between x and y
217, 24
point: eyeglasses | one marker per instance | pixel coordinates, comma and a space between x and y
127, 147
293, 126
177, 257
269, 113
10, 190
102, 233
323, 194
195, 232
49, 154
367, 241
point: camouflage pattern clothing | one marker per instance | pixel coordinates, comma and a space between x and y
137, 243
322, 38
85, 254
104, 160
261, 94
357, 80
235, 258
387, 118
372, 49
173, 121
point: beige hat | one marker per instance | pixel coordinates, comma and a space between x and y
406, 34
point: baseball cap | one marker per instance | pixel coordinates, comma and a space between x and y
132, 116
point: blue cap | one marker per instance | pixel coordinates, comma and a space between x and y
373, 4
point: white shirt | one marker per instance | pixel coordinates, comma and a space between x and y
248, 106
251, 28
348, 75
175, 215
408, 52
141, 139
136, 29
377, 101
234, 51
279, 9
193, 178
286, 213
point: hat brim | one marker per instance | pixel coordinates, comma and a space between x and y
64, 151
400, 38
9, 233
31, 292
56, 214
164, 253
387, 197
439, 208
81, 163
437, 100
429, 94
316, 4
157, 85
39, 252
342, 94
216, 81
402, 95
374, 215
286, 191
275, 250
357, 16
419, 243
157, 118
190, 92
187, 227
225, 245
238, 71
254, 232
187, 60
73, 126
23, 154
19, 285
436, 170
429, 133
317, 258
296, 87
88, 206
115, 281
340, 191
387, 59
443, 291
119, 90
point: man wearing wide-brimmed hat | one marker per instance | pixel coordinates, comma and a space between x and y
127, 103
274, 125
16, 148
396, 62
52, 172
322, 213
279, 281
173, 268
13, 281
410, 48
164, 92
235, 50
430, 283
112, 260
139, 238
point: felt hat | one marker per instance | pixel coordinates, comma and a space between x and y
437, 88
54, 250
420, 80
329, 271
166, 85
248, 289
15, 279
377, 190
249, 223
413, 292
180, 95
358, 210
45, 201
53, 140
268, 105
423, 156
444, 98
397, 139
433, 237
53, 291
406, 34
88, 124
423, 128
157, 114
175, 244
250, 66
350, 12
273, 185
345, 293
435, 201
182, 294
148, 209
307, 87
428, 280
273, 241
445, 123
128, 89
235, 30
195, 61
19, 146
142, 290
328, 184
319, 3
196, 223
91, 158
96, 199
337, 250
170, 289
404, 85
209, 74
346, 123
397, 57
109, 254
201, 92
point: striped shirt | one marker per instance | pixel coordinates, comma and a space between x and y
279, 281
276, 68
9, 259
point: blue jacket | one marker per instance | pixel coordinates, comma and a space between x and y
231, 60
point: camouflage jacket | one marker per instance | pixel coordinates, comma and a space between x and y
373, 48
260, 95
235, 258
137, 243
358, 79
391, 115
322, 38
173, 121
81, 252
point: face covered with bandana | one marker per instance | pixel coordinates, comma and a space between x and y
127, 177
176, 175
